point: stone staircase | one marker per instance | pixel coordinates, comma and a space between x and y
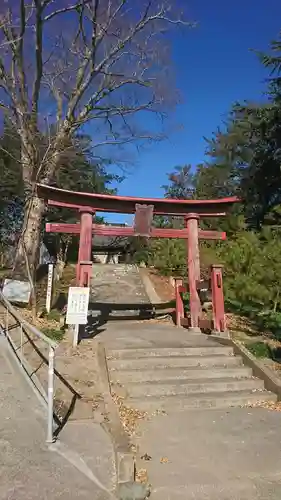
193, 373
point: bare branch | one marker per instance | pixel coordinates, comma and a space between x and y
7, 86
8, 153
81, 88
38, 57
128, 140
64, 63
16, 44
22, 28
64, 10
105, 92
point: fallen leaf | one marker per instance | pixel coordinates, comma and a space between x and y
141, 476
164, 460
146, 457
129, 416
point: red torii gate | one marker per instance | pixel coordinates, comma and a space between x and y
144, 208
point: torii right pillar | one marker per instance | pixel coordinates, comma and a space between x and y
84, 266
220, 326
193, 265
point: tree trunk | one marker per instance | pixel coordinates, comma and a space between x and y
27, 255
29, 242
61, 257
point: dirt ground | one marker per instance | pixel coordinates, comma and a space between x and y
76, 379
162, 285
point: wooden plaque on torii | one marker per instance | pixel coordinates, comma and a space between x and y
143, 220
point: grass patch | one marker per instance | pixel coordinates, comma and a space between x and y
259, 349
53, 334
186, 299
60, 288
54, 315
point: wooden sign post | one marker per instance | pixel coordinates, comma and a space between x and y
49, 287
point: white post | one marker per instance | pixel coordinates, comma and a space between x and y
49, 287
75, 335
21, 341
7, 320
51, 367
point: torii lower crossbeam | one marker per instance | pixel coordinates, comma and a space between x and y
103, 230
192, 233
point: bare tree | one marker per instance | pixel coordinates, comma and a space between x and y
66, 63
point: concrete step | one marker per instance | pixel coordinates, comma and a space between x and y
156, 338
131, 376
172, 387
135, 312
144, 352
158, 362
219, 400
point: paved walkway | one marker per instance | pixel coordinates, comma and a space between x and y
213, 454
118, 284
28, 469
117, 291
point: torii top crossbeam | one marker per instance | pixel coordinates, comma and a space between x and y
127, 205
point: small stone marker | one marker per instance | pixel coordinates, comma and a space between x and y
77, 309
17, 291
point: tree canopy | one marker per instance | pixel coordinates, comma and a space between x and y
243, 157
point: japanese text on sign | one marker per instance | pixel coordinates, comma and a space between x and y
77, 306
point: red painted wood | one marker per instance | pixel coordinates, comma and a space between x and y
126, 204
61, 227
143, 220
218, 299
190, 209
85, 247
84, 273
193, 265
75, 206
179, 289
102, 230
63, 204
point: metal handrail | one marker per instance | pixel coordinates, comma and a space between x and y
24, 325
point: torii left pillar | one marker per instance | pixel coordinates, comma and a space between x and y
193, 265
84, 266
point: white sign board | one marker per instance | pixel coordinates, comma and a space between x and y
17, 291
77, 305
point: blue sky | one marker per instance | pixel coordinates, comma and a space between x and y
214, 67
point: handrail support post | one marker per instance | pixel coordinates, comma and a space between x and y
51, 369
